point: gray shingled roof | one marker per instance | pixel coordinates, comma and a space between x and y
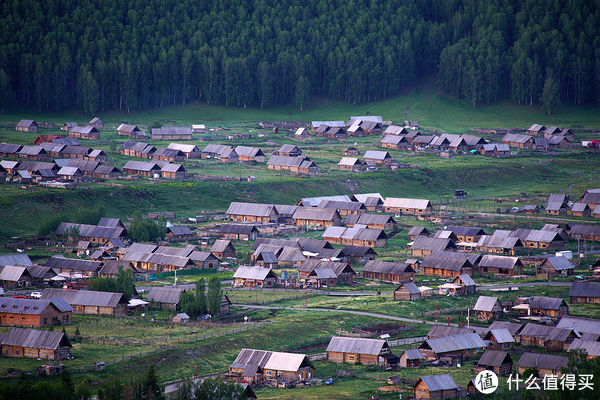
494, 261
458, 342
32, 306
413, 354
15, 259
432, 244
444, 261
387, 267
436, 383
545, 361
445, 330
585, 289
502, 335
340, 344
250, 209
548, 303
580, 324
164, 294
34, 338
258, 273
85, 297
560, 263
411, 287
493, 358
315, 213
486, 303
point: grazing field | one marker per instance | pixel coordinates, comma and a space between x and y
426, 104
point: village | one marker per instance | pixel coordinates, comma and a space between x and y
73, 155
408, 296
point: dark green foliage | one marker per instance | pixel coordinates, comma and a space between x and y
216, 389
550, 96
27, 388
146, 230
152, 389
126, 56
123, 283
215, 296
83, 215
194, 304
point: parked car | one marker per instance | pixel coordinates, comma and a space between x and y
19, 296
36, 295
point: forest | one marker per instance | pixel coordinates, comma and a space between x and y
138, 54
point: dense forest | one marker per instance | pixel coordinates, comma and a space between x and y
134, 54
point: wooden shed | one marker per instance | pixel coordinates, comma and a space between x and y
27, 125
411, 358
487, 308
90, 301
254, 277
388, 271
34, 313
258, 367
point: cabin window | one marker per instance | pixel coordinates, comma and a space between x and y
351, 357
269, 373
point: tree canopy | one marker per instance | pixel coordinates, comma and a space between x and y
129, 55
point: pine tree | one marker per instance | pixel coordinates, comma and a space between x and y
152, 387
215, 296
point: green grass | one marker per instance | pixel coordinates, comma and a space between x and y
426, 104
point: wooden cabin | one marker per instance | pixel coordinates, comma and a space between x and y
34, 343
396, 205
34, 313
552, 307
407, 291
499, 362
500, 265
435, 387
27, 125
454, 348
254, 277
90, 301
223, 249
411, 358
554, 266
487, 308
386, 271
358, 351
544, 364
500, 339
585, 293
238, 232
258, 367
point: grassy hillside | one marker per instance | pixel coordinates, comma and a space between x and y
426, 104
479, 176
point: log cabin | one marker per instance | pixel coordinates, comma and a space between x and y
585, 293
172, 133
90, 301
164, 297
544, 364
499, 362
258, 367
254, 277
358, 351
407, 291
223, 249
424, 246
33, 343
372, 221
446, 264
552, 307
356, 236
435, 387
454, 348
499, 339
386, 271
407, 206
411, 358
238, 232
129, 130
350, 164
316, 217
487, 308
27, 125
500, 265
34, 313
554, 266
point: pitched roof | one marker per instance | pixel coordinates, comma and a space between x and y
141, 166
24, 123
451, 343
185, 148
585, 289
590, 347
251, 360
376, 155
239, 229
446, 330
340, 344
545, 361
501, 335
512, 327
315, 213
436, 383
15, 259
486, 303
548, 303
85, 230
180, 230
397, 202
465, 279
580, 324
494, 261
246, 151
387, 267
358, 251
560, 263
32, 306
287, 161
315, 201
349, 161
410, 286
444, 260
220, 245
85, 297
34, 338
172, 130
493, 358
164, 294
432, 244
258, 273
12, 273
62, 262
413, 354
250, 209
